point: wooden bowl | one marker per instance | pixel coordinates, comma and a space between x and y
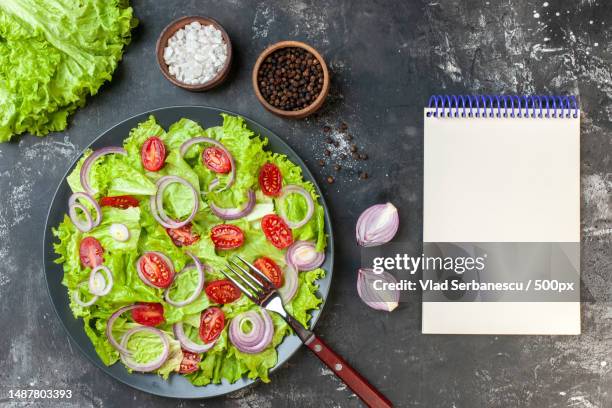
169, 31
315, 105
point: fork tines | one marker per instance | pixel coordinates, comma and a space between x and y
248, 279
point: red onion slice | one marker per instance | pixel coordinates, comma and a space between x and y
189, 344
294, 189
383, 299
77, 296
377, 225
90, 222
82, 225
234, 213
84, 175
141, 275
156, 202
109, 328
200, 268
150, 366
186, 145
290, 286
101, 270
260, 335
304, 256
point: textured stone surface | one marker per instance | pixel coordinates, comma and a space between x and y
386, 57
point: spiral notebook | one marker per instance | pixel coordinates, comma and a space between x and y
502, 183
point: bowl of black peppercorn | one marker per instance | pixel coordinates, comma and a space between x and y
291, 79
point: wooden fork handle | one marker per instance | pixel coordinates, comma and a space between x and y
360, 386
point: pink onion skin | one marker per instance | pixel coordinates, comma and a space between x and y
260, 335
187, 343
377, 225
386, 300
292, 256
156, 202
109, 280
294, 189
200, 268
109, 328
86, 167
201, 139
234, 213
290, 285
146, 367
141, 273
73, 204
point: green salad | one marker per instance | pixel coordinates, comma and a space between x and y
152, 224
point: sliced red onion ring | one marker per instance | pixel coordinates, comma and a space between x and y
200, 268
189, 344
150, 366
89, 162
382, 299
77, 296
185, 146
290, 286
304, 256
109, 328
100, 270
377, 225
260, 335
156, 202
90, 222
141, 275
82, 225
234, 213
294, 189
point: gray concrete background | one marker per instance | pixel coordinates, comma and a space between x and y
386, 58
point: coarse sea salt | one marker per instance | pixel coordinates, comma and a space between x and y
195, 53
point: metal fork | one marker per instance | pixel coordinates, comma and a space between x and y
257, 287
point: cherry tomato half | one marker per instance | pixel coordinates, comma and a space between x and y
212, 322
270, 269
124, 201
156, 270
91, 252
226, 236
183, 236
216, 160
153, 154
270, 179
190, 362
276, 231
222, 291
149, 314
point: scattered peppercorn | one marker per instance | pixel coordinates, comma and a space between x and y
337, 167
363, 156
353, 148
290, 78
363, 175
327, 152
343, 127
326, 129
330, 179
349, 137
355, 155
329, 140
321, 163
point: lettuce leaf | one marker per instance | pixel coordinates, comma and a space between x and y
54, 54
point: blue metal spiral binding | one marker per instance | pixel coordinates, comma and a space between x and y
497, 106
